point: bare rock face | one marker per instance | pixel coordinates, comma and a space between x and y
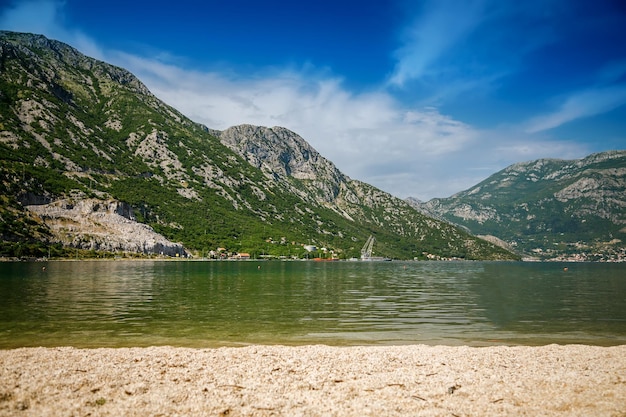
281, 154
275, 150
106, 225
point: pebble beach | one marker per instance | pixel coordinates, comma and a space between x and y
315, 380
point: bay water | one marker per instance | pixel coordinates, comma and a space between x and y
230, 303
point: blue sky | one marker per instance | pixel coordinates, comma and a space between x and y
419, 98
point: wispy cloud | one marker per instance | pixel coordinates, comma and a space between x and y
578, 105
46, 17
452, 48
597, 99
370, 136
38, 16
296, 96
435, 30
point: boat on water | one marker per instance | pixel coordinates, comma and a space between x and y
366, 252
376, 259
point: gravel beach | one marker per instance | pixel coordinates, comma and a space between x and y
315, 380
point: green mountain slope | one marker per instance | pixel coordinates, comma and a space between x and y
88, 153
548, 208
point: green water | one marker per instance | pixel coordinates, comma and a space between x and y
208, 304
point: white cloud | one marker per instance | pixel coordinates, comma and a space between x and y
605, 93
46, 17
36, 16
441, 25
578, 105
371, 137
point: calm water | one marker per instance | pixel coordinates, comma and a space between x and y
207, 304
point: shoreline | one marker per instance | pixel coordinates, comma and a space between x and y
200, 259
315, 380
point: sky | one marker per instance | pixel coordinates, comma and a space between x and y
420, 98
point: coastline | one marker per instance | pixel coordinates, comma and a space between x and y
315, 380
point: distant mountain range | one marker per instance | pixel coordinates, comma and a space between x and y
93, 164
547, 209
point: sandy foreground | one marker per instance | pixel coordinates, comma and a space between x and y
417, 380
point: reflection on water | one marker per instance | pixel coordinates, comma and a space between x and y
188, 303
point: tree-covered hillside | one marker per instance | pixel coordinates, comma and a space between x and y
549, 208
75, 129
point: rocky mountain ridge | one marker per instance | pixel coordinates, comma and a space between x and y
281, 155
548, 208
287, 159
80, 133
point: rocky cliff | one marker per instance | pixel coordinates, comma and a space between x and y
102, 225
282, 155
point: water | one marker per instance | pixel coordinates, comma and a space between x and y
208, 304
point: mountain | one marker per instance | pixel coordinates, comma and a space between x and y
548, 208
92, 162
